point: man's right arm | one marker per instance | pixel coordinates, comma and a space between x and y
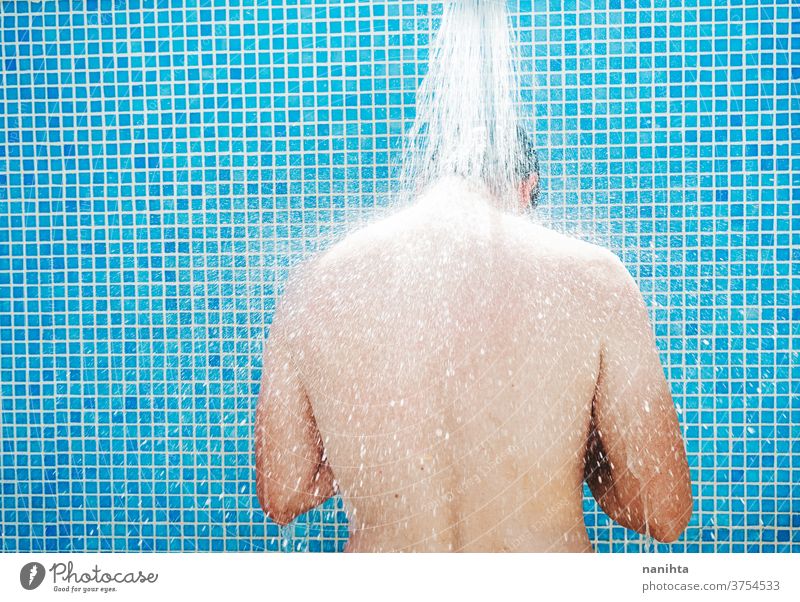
636, 461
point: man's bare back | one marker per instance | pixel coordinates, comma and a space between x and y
449, 369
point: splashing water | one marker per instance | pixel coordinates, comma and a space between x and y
648, 542
467, 105
292, 538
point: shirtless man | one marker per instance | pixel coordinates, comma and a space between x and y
456, 372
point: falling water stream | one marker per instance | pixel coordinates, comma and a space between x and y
467, 106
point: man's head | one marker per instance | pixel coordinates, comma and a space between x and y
527, 171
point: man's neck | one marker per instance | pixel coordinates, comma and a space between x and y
457, 189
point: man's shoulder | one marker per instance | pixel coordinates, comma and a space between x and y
363, 244
591, 265
572, 248
314, 274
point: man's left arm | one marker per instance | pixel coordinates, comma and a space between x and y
292, 475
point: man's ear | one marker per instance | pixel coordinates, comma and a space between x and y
526, 187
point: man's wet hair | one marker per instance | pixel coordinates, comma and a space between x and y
528, 164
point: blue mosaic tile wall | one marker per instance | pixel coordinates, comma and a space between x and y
162, 163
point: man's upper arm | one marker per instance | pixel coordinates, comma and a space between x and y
291, 475
637, 443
